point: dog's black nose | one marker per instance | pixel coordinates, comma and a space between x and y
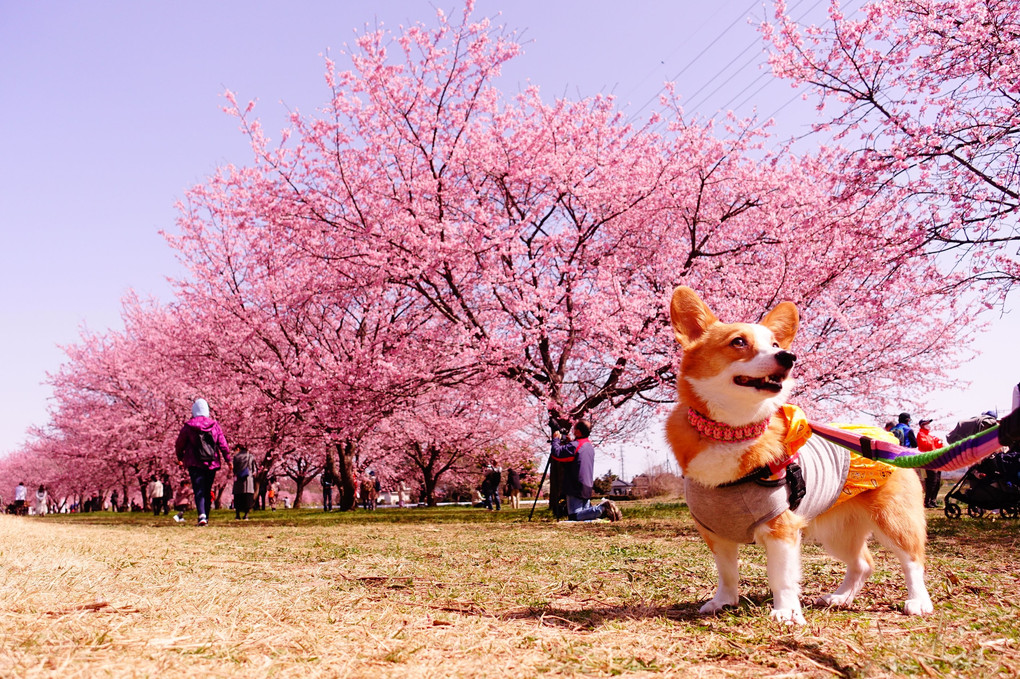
785, 359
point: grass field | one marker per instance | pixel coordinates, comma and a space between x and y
459, 592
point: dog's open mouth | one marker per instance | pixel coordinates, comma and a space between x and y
773, 383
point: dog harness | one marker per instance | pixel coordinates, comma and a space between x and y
735, 511
817, 475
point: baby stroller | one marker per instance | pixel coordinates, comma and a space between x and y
993, 483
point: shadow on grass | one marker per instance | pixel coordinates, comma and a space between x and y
751, 614
753, 608
591, 618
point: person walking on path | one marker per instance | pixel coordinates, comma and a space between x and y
578, 476
20, 499
273, 493
40, 501
368, 492
244, 483
513, 488
490, 487
155, 492
168, 493
327, 481
200, 447
932, 480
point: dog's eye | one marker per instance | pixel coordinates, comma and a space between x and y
738, 342
775, 345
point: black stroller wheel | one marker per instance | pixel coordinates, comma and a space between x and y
975, 511
1011, 512
952, 510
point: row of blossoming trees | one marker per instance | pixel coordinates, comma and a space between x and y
418, 275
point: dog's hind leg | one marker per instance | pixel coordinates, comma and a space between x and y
909, 549
844, 535
898, 515
727, 592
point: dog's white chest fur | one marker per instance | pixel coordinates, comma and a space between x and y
716, 464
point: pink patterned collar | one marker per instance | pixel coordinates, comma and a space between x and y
723, 432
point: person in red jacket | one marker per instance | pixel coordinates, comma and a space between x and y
932, 480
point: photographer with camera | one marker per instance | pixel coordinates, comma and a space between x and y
578, 459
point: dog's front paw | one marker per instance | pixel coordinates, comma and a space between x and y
834, 600
918, 606
788, 616
716, 604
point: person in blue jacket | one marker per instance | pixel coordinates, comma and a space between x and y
904, 433
579, 475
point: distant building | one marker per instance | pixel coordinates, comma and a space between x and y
620, 488
639, 485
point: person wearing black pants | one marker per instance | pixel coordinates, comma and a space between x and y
932, 479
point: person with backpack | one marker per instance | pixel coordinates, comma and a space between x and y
578, 458
904, 433
200, 447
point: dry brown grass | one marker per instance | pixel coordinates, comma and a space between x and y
463, 599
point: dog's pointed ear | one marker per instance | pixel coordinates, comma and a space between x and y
783, 321
689, 316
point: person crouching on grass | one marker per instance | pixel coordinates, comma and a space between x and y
200, 446
579, 474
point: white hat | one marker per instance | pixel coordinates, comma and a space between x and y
200, 408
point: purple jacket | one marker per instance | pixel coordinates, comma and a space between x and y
579, 475
188, 442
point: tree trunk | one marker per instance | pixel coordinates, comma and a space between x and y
345, 453
144, 488
431, 477
430, 491
300, 483
218, 495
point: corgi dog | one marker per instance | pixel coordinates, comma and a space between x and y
754, 473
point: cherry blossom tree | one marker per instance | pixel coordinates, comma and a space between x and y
544, 238
452, 433
925, 94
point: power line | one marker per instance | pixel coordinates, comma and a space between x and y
692, 61
754, 43
680, 45
694, 97
763, 74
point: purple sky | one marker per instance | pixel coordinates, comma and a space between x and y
111, 110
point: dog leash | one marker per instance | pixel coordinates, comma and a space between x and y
963, 453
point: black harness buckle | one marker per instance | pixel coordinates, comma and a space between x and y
795, 485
